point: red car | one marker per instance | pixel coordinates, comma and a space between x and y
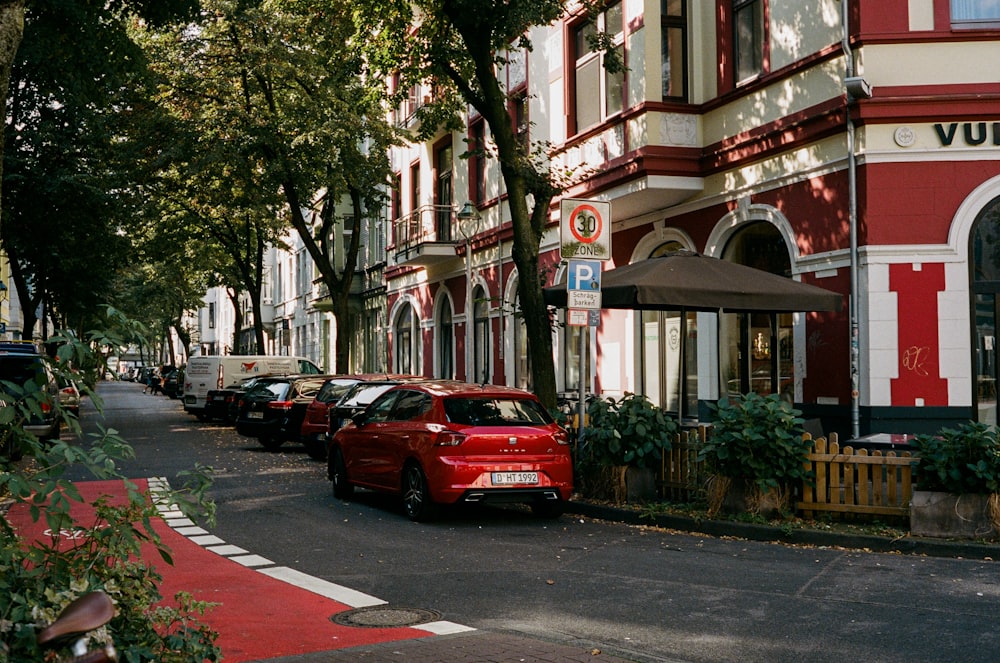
443, 442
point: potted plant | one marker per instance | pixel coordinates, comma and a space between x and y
755, 454
623, 446
957, 478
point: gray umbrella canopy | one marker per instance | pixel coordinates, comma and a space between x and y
688, 280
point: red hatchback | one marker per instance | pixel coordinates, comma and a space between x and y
443, 442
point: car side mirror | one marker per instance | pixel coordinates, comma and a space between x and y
359, 419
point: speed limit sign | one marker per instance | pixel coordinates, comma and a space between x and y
585, 229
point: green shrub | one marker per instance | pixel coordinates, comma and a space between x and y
757, 440
960, 461
39, 578
631, 431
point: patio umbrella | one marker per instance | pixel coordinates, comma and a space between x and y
689, 280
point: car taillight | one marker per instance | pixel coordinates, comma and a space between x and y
449, 438
279, 405
66, 390
561, 437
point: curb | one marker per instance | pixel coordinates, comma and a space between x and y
753, 532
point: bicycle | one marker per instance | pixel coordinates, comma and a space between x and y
89, 612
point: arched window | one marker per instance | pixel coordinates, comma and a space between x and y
406, 358
445, 335
481, 336
522, 365
757, 353
669, 353
985, 265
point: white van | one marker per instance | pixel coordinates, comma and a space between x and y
206, 373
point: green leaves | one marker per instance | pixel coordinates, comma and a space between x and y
757, 439
960, 461
631, 431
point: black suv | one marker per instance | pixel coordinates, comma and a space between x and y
273, 409
27, 382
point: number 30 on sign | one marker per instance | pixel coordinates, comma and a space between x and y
585, 229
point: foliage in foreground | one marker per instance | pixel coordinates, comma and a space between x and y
960, 461
38, 578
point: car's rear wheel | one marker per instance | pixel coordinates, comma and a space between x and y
416, 496
271, 442
547, 508
316, 448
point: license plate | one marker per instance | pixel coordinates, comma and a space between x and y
218, 398
509, 478
255, 415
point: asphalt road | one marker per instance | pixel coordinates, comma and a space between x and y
642, 594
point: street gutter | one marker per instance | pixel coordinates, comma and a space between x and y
797, 536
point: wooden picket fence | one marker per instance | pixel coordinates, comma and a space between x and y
856, 482
847, 482
682, 477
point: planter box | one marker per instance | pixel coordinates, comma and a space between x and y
950, 516
640, 485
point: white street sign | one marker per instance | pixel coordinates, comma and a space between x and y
585, 229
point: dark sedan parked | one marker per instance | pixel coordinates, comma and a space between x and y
316, 425
357, 399
272, 410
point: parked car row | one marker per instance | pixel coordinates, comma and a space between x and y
431, 442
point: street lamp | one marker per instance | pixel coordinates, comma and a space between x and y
468, 224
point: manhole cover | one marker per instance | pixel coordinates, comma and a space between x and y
381, 616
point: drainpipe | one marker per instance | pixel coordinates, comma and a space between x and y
857, 88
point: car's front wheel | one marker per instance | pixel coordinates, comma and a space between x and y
416, 496
342, 488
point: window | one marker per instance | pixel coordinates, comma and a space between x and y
748, 38
519, 119
669, 354
442, 193
975, 13
477, 162
211, 315
673, 49
522, 363
406, 358
985, 263
481, 337
410, 405
598, 92
445, 341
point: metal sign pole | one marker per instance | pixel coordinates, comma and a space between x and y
584, 339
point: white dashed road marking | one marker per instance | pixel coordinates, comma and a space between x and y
159, 486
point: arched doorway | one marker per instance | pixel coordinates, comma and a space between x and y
984, 263
756, 349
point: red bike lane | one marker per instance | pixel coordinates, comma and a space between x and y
260, 614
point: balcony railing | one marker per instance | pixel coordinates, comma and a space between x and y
426, 236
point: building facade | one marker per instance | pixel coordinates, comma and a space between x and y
849, 144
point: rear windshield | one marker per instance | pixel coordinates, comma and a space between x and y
269, 390
495, 411
333, 390
19, 369
363, 394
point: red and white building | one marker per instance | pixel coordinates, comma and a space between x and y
858, 155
